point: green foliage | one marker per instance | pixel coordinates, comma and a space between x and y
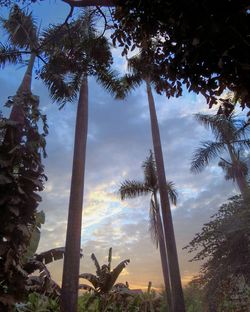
38, 303
223, 246
20, 179
194, 297
122, 299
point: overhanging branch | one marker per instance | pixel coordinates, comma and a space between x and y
83, 3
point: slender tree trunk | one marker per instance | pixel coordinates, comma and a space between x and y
240, 178
70, 279
163, 254
178, 299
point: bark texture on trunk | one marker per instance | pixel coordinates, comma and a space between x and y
163, 254
178, 299
70, 279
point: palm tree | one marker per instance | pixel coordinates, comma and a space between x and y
22, 33
78, 52
231, 137
132, 189
142, 69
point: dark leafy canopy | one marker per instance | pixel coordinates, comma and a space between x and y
203, 44
21, 177
223, 244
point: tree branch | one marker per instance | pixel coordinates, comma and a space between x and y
83, 3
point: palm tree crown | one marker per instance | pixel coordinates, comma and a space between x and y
231, 137
75, 51
133, 189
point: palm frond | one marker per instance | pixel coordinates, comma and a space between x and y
172, 192
62, 85
131, 82
111, 82
221, 126
133, 189
97, 265
91, 278
242, 129
21, 28
242, 144
153, 225
204, 154
50, 255
9, 54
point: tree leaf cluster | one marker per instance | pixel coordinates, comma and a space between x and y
21, 178
223, 246
202, 45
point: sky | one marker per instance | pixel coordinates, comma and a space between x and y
119, 140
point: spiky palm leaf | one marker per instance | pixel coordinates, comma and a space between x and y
133, 189
230, 133
97, 265
204, 154
9, 54
21, 28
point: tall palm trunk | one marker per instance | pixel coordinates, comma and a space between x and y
73, 239
240, 178
163, 254
178, 299
17, 113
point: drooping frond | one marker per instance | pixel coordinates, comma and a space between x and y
222, 127
131, 82
111, 82
172, 192
50, 255
204, 154
62, 85
91, 278
21, 28
9, 54
97, 265
132, 189
153, 225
